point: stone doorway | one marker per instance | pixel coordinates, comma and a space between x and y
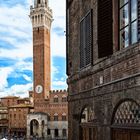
87, 130
125, 134
34, 127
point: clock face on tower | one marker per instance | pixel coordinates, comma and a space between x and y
39, 89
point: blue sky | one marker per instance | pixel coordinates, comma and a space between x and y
16, 63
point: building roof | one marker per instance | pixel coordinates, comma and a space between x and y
58, 91
23, 99
9, 97
21, 106
3, 107
38, 113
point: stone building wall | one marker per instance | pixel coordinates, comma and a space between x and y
103, 85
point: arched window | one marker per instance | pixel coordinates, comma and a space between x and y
87, 131
64, 117
55, 117
34, 125
87, 115
128, 113
56, 99
64, 98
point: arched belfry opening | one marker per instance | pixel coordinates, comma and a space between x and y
87, 129
126, 121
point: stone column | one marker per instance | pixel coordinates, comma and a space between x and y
60, 133
28, 131
40, 131
52, 133
45, 131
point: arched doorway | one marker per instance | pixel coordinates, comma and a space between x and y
87, 128
34, 127
126, 121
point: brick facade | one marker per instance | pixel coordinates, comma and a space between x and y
17, 117
103, 85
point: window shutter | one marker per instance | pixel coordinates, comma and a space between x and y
82, 44
86, 40
105, 28
138, 20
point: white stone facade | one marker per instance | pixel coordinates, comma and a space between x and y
60, 125
41, 14
40, 129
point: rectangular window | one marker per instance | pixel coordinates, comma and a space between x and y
128, 23
86, 40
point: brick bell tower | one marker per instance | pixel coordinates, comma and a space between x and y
41, 17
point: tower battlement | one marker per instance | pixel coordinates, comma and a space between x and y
58, 91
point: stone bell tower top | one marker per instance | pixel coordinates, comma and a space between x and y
41, 14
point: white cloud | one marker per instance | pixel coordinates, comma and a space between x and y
22, 65
15, 24
17, 90
16, 29
4, 73
58, 45
59, 83
20, 89
27, 78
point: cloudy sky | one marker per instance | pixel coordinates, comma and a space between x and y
16, 67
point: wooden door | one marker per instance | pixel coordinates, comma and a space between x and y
135, 136
88, 133
123, 134
120, 135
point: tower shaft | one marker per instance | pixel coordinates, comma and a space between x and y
41, 17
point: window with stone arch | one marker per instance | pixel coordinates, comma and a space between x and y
127, 113
64, 98
55, 99
87, 115
64, 117
55, 117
